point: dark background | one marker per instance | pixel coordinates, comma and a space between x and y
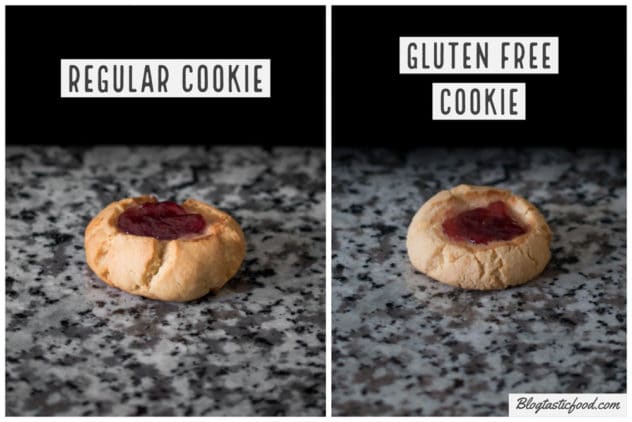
292, 37
584, 105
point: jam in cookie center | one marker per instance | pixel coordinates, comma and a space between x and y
161, 220
483, 225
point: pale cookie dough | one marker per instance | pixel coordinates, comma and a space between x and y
171, 270
495, 265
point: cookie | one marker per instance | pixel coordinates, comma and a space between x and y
479, 237
162, 250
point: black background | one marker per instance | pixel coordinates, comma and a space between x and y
584, 105
292, 37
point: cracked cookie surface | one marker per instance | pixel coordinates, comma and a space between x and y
179, 270
494, 265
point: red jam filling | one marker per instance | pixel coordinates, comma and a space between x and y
483, 225
162, 220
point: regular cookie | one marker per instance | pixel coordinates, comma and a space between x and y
162, 250
479, 237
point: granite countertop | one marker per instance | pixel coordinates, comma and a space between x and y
75, 346
404, 344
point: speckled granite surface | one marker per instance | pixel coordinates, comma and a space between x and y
77, 347
407, 345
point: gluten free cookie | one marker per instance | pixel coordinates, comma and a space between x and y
163, 250
479, 237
